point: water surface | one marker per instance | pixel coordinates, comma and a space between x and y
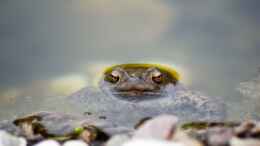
52, 48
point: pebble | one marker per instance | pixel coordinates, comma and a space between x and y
151, 142
48, 143
219, 136
7, 139
159, 131
75, 143
248, 129
9, 127
161, 127
244, 142
118, 140
185, 139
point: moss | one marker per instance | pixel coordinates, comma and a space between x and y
78, 130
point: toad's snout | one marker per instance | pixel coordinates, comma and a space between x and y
136, 85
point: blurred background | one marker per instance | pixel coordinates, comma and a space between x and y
52, 48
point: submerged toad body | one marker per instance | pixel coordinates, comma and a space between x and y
130, 92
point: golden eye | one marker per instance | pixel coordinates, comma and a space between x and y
157, 78
112, 77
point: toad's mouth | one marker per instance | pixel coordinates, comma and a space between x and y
138, 95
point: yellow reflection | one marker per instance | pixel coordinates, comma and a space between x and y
164, 67
68, 84
9, 95
185, 76
96, 69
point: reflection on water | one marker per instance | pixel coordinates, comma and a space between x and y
52, 48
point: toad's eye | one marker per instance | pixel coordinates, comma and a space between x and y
157, 78
113, 77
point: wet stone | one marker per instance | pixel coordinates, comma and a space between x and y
91, 134
59, 127
211, 133
248, 129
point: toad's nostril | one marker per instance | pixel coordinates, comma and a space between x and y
136, 86
144, 87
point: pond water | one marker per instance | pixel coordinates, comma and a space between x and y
51, 48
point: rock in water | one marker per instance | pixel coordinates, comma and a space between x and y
60, 126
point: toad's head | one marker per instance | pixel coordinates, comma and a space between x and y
137, 82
